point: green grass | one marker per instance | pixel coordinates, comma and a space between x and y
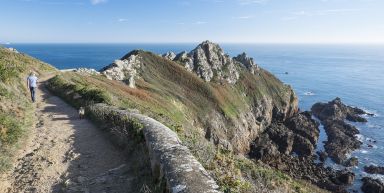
16, 111
183, 102
77, 93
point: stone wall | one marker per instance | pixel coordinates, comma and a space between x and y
171, 161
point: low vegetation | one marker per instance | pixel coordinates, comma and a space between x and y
182, 101
16, 111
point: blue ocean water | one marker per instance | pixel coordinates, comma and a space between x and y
355, 73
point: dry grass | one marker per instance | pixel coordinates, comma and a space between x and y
16, 112
183, 101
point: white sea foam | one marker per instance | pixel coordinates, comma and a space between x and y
364, 151
309, 93
360, 137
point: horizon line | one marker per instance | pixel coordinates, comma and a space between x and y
198, 42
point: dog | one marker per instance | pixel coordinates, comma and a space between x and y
81, 113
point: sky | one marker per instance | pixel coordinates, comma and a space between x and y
182, 21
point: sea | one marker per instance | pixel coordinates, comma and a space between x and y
318, 73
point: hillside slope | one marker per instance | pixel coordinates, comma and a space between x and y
217, 118
228, 101
16, 111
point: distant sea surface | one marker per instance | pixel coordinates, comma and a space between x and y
318, 73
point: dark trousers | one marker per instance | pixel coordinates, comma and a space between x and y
33, 92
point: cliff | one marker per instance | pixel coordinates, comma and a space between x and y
219, 117
229, 100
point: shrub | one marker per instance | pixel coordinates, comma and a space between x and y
76, 94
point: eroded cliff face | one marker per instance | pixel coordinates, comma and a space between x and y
241, 98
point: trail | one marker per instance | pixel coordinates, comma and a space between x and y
66, 154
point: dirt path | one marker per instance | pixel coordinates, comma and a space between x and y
66, 154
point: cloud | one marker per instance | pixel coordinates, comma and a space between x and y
95, 2
200, 22
122, 20
298, 14
243, 17
184, 3
248, 2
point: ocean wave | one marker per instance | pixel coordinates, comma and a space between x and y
360, 137
370, 111
309, 93
363, 151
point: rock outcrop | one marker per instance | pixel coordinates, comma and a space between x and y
86, 71
297, 134
13, 50
351, 162
262, 97
209, 62
169, 55
336, 110
371, 185
341, 135
125, 69
247, 62
374, 169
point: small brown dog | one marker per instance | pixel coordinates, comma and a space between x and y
81, 113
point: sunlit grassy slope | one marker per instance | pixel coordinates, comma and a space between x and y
16, 111
181, 100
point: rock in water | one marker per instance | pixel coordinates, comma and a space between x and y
374, 169
298, 134
336, 110
341, 135
371, 185
351, 162
345, 177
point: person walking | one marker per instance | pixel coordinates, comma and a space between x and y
32, 85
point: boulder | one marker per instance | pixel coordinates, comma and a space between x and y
345, 177
169, 55
336, 110
322, 155
374, 169
13, 50
125, 69
371, 185
247, 62
341, 135
351, 162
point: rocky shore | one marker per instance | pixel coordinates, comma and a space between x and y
371, 185
290, 146
267, 124
341, 135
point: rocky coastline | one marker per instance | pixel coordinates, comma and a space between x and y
269, 129
341, 135
290, 146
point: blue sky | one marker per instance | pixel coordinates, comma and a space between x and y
227, 21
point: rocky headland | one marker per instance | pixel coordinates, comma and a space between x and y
219, 103
341, 135
267, 126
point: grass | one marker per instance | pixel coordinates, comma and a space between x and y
16, 111
236, 174
183, 101
77, 93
